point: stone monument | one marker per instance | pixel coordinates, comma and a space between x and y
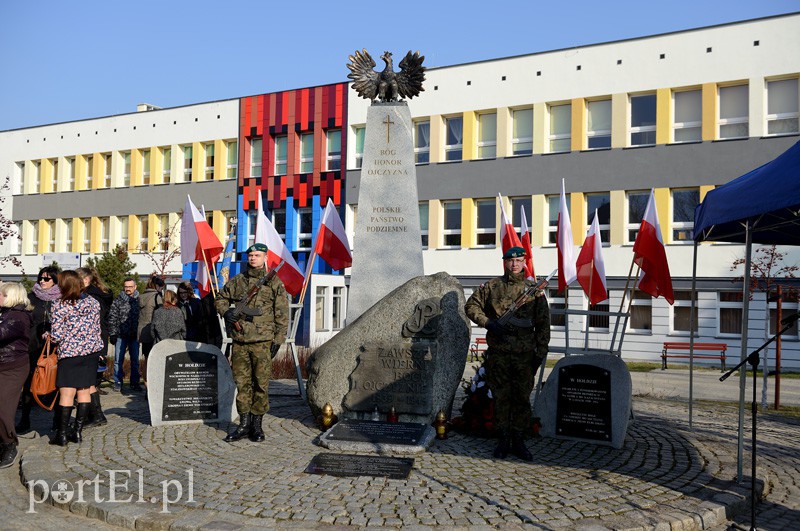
387, 241
189, 382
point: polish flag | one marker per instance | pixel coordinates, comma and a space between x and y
290, 273
590, 268
332, 245
525, 239
198, 240
566, 259
650, 255
508, 236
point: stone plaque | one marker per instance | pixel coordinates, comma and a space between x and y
410, 433
345, 465
398, 374
584, 402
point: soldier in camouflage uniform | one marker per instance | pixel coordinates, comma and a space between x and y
257, 341
514, 354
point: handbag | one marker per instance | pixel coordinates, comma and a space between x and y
44, 375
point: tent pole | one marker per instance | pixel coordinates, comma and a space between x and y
692, 314
743, 371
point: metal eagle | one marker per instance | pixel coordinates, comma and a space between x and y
386, 85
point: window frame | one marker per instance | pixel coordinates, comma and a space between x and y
733, 120
592, 134
333, 159
556, 138
605, 228
359, 135
631, 226
422, 151
729, 305
683, 304
187, 162
209, 161
424, 227
485, 231
302, 237
450, 150
231, 163
451, 232
487, 146
166, 170
518, 141
256, 156
681, 225
640, 299
774, 117
642, 129
281, 163
306, 160
692, 125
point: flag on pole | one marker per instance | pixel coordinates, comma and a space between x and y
508, 236
227, 257
589, 265
198, 240
290, 273
525, 239
332, 245
650, 255
566, 259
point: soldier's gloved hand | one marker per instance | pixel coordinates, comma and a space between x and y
495, 328
273, 349
230, 317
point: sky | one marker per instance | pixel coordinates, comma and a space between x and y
64, 61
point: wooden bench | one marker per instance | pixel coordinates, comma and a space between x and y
721, 348
477, 348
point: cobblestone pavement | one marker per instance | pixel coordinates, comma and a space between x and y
665, 477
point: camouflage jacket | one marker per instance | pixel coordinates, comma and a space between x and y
271, 299
492, 299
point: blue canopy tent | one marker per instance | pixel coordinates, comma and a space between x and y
761, 206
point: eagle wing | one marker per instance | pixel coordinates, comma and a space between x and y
365, 79
411, 75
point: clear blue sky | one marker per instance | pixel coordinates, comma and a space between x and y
64, 61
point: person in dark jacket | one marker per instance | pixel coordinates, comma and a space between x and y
168, 320
15, 327
94, 286
123, 328
44, 293
193, 313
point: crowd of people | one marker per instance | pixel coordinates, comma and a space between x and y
78, 315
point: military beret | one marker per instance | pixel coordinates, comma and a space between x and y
257, 247
514, 252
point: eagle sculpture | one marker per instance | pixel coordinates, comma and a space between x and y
386, 85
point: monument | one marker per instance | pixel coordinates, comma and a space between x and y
189, 382
387, 229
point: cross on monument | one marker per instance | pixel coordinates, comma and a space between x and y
388, 122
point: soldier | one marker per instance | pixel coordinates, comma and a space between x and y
256, 339
514, 353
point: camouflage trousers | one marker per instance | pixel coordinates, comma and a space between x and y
511, 377
251, 364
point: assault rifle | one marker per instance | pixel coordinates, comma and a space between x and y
233, 315
508, 318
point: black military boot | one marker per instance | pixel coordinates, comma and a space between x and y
242, 430
81, 415
96, 416
518, 447
8, 454
256, 433
63, 413
24, 425
501, 450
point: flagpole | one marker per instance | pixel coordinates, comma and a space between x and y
208, 272
308, 277
622, 302
588, 317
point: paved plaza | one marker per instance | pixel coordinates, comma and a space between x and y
666, 476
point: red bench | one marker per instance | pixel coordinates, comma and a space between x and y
721, 348
477, 348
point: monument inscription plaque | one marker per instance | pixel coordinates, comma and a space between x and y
344, 465
584, 402
190, 386
377, 432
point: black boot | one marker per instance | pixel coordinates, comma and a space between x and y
81, 415
241, 431
501, 450
63, 413
56, 416
256, 433
518, 447
8, 454
24, 425
96, 416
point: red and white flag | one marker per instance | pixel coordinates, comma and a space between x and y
198, 240
508, 235
650, 255
525, 240
590, 268
332, 245
290, 273
566, 258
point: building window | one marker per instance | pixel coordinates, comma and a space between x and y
522, 136
557, 302
319, 309
643, 120
688, 116
209, 148
788, 306
683, 204
599, 322
487, 136
87, 235
70, 180
255, 157
359, 134
279, 221
107, 168
601, 203
734, 108
163, 232
452, 223
68, 235
598, 126
729, 313
333, 157
89, 171
782, 107
307, 153
123, 232
304, 229
560, 128
167, 174
251, 227
187, 163
104, 230
637, 204
51, 186
281, 150
50, 226
423, 222
232, 164
144, 231
19, 181
34, 237
422, 142
36, 178
641, 312
337, 308
486, 225
681, 312
553, 205
454, 128
15, 239
517, 204
146, 167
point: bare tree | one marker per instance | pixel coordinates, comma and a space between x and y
8, 229
162, 251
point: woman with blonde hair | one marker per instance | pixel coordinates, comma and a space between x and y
15, 327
